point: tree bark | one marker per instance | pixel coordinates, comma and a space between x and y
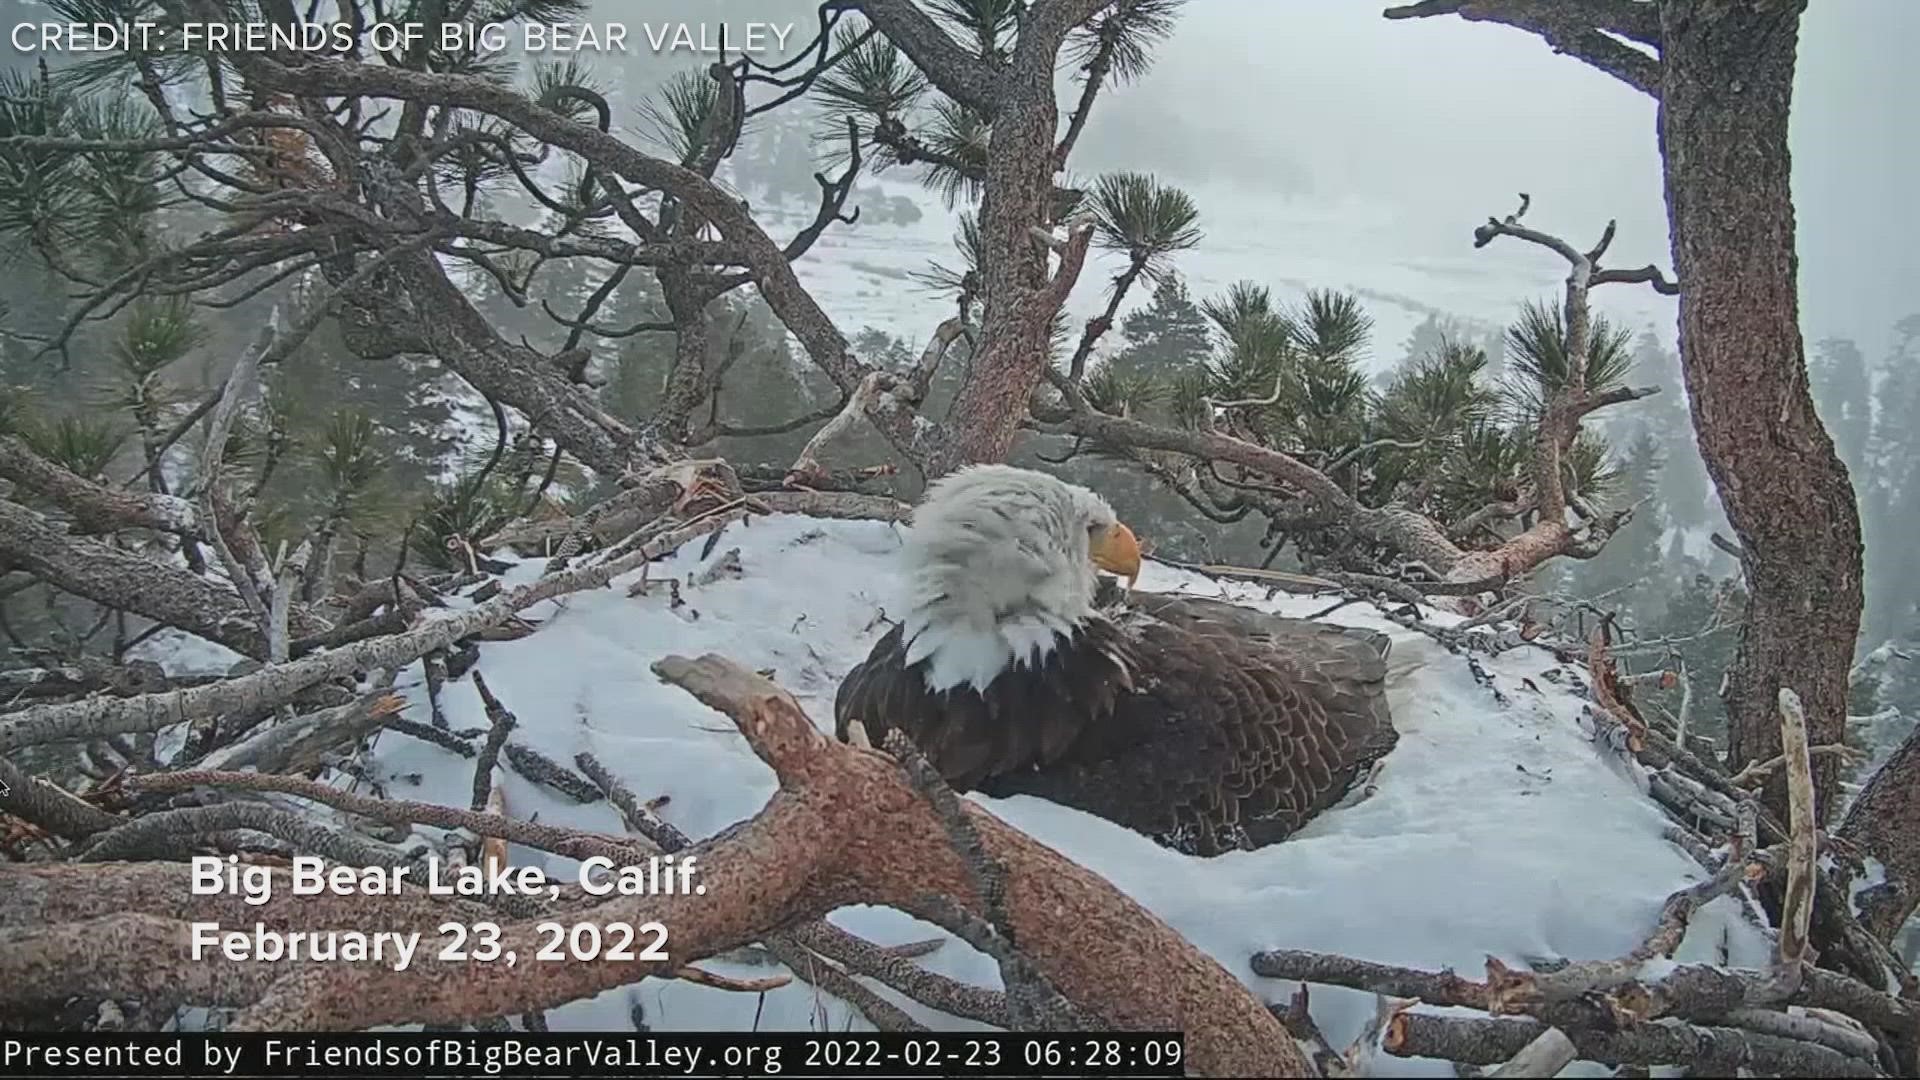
1017, 320
121, 579
96, 507
1881, 821
1727, 90
845, 827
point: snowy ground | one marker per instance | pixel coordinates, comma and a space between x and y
1496, 828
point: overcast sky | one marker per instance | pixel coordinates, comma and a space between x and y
1442, 121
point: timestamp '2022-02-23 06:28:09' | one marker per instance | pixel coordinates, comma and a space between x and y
592, 1054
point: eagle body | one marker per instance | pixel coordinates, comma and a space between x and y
1207, 726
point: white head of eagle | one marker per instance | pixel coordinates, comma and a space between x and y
1001, 567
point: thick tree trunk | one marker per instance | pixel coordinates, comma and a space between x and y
1727, 90
1882, 822
1021, 301
1013, 354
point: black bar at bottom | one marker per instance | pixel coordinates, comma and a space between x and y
589, 1054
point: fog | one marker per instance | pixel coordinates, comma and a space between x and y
1439, 122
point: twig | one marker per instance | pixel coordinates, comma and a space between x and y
428, 733
1757, 772
1033, 1002
1298, 1017
637, 817
566, 842
542, 769
883, 1014
894, 968
501, 723
102, 716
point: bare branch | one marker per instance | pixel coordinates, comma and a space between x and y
1796, 913
273, 685
95, 507
1544, 1056
1573, 27
808, 463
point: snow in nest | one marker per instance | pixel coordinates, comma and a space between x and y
1496, 829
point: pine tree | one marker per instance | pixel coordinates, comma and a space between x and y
1702, 614
1843, 393
1685, 489
1167, 335
1892, 501
1629, 569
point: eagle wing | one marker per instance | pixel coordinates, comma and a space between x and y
1205, 725
1022, 723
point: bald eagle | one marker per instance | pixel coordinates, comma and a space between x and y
1017, 669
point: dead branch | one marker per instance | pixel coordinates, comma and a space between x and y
835, 504
160, 834
273, 685
638, 817
500, 725
845, 827
1796, 912
808, 463
1546, 1055
883, 1014
545, 771
124, 580
1606, 695
49, 806
890, 966
240, 386
1298, 1017
1716, 1051
280, 605
299, 743
448, 740
566, 842
1806, 1027
933, 355
1560, 421
855, 954
620, 515
95, 507
1756, 773
1584, 30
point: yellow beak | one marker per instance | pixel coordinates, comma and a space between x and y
1117, 551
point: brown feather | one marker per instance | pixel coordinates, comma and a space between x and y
1202, 724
